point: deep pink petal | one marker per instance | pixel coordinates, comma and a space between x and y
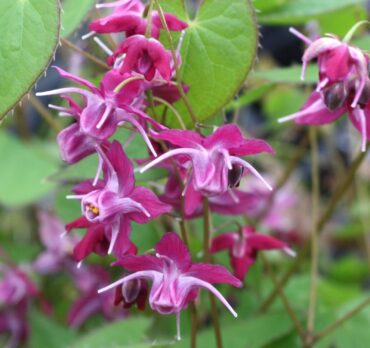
241, 265
212, 274
80, 222
225, 137
82, 309
224, 241
172, 246
74, 145
320, 114
193, 200
150, 202
116, 23
181, 138
251, 147
123, 168
173, 23
141, 263
94, 237
265, 242
77, 79
123, 244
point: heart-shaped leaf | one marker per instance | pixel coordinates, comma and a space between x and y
29, 37
74, 13
218, 51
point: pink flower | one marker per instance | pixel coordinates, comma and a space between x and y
176, 280
105, 109
243, 248
212, 162
144, 56
111, 204
128, 17
232, 202
16, 289
58, 249
88, 280
343, 84
132, 292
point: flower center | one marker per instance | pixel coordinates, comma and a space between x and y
90, 208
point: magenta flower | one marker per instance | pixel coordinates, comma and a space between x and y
132, 292
16, 289
343, 84
128, 17
58, 249
244, 246
212, 162
105, 109
111, 204
144, 56
88, 280
176, 280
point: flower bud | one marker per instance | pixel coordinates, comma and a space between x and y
234, 175
335, 96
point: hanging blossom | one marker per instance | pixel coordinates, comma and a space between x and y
343, 85
130, 17
105, 109
16, 290
212, 162
232, 202
112, 203
243, 247
144, 56
59, 247
176, 280
88, 279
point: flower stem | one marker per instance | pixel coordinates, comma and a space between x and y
284, 299
171, 107
176, 65
208, 259
148, 31
330, 328
338, 194
87, 55
314, 237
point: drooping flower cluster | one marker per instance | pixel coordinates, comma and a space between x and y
199, 168
16, 291
343, 86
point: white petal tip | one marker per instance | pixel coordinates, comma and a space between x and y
62, 235
290, 252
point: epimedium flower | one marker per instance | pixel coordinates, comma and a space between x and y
343, 84
144, 56
129, 17
176, 280
243, 247
16, 289
87, 280
111, 204
58, 250
213, 162
105, 109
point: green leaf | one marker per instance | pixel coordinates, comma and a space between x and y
29, 37
74, 13
24, 173
253, 333
291, 74
47, 333
250, 96
352, 333
217, 53
299, 11
123, 333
